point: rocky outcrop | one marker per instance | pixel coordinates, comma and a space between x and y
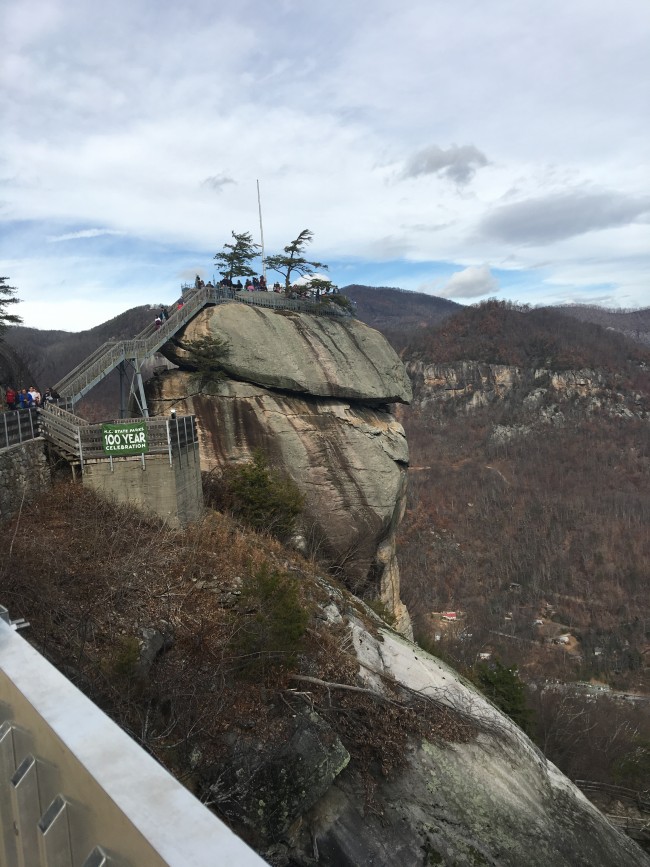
490, 798
312, 392
322, 356
470, 385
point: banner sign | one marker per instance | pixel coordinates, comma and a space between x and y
130, 438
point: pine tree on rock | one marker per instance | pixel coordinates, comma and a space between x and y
235, 259
293, 260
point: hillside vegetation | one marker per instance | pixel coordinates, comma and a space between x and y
529, 513
50, 355
210, 646
498, 332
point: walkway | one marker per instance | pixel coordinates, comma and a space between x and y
115, 353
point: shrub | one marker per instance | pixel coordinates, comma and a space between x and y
263, 497
503, 686
340, 301
270, 623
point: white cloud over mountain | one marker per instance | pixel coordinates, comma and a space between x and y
476, 281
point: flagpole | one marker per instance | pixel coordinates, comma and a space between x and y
259, 205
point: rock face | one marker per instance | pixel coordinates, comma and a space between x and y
493, 800
469, 385
322, 356
312, 392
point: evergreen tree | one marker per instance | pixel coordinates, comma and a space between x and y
293, 260
235, 259
206, 355
503, 686
7, 296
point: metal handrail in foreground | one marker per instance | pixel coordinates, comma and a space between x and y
76, 790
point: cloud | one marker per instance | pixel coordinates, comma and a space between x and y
84, 233
472, 282
559, 216
458, 164
217, 182
107, 124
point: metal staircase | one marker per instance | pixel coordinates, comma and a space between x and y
113, 353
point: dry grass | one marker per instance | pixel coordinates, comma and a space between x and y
90, 576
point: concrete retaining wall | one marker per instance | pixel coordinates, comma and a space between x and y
24, 472
75, 789
171, 491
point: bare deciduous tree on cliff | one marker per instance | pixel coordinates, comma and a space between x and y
7, 296
293, 260
235, 259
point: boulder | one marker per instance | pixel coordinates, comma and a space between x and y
268, 785
323, 356
491, 799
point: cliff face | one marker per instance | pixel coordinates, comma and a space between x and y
469, 385
490, 799
313, 394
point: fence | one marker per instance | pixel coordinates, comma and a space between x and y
76, 790
164, 436
640, 800
80, 440
17, 426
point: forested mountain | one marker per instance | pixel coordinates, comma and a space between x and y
499, 332
397, 312
51, 354
635, 324
528, 513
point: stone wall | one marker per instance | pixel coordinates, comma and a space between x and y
171, 491
24, 473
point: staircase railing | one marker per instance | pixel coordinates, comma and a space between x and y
61, 428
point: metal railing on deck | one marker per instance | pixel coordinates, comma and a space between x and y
17, 426
164, 435
82, 441
76, 791
61, 428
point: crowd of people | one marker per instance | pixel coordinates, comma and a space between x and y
28, 398
259, 284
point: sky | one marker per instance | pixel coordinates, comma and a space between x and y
465, 149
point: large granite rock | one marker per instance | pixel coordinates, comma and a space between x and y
349, 462
324, 356
312, 392
491, 800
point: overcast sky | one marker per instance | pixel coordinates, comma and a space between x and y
467, 149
